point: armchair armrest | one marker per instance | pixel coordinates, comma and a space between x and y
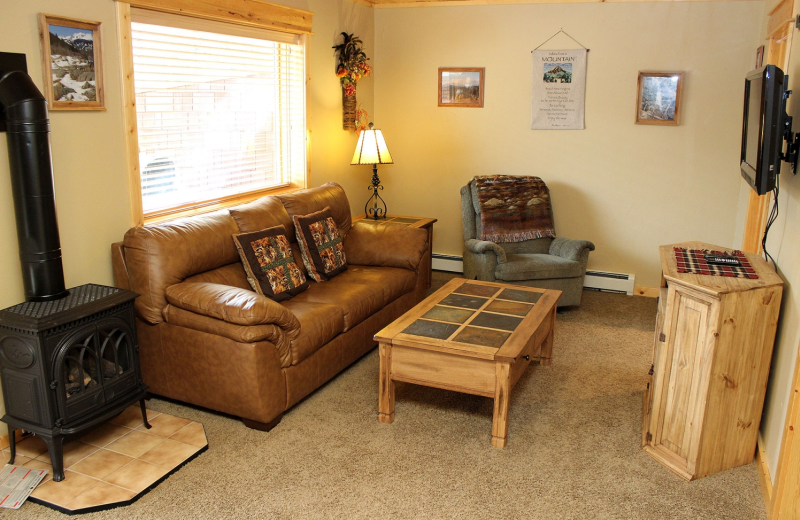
385, 246
232, 305
570, 249
484, 246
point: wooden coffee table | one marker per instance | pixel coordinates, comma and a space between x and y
472, 337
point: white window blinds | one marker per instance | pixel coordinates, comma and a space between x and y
218, 113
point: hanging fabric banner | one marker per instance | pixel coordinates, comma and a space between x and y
559, 89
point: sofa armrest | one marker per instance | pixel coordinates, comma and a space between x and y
121, 279
484, 246
385, 245
240, 333
231, 304
570, 249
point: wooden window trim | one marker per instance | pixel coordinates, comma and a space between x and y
252, 13
210, 9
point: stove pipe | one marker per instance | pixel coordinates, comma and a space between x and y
28, 134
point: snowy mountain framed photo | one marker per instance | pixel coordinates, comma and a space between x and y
72, 63
659, 98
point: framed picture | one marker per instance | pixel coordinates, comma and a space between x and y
759, 57
72, 63
659, 98
461, 87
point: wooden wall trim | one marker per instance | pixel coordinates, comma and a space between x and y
252, 13
129, 113
786, 486
392, 4
649, 292
779, 16
756, 221
779, 28
764, 478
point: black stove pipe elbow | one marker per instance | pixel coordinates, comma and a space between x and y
28, 135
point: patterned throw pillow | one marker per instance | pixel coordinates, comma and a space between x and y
269, 263
320, 244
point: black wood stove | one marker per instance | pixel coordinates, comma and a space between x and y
68, 358
69, 365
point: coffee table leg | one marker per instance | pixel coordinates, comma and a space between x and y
501, 396
547, 344
385, 385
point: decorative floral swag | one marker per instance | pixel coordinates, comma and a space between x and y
352, 63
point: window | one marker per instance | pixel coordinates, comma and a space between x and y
220, 112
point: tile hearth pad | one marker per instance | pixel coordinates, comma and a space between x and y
114, 464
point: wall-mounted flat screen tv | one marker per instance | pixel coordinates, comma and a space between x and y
763, 127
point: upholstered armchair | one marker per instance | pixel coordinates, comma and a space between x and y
548, 263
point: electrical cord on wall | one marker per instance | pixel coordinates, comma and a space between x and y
773, 215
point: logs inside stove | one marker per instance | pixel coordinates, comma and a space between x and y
68, 358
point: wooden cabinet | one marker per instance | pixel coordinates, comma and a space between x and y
711, 355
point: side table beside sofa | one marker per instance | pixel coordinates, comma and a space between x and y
207, 339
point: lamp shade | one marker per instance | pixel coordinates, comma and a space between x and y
371, 148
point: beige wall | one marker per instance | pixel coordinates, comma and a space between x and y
88, 157
88, 147
784, 246
332, 148
626, 187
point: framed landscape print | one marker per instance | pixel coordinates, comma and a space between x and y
461, 87
659, 99
72, 63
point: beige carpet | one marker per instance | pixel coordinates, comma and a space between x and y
573, 449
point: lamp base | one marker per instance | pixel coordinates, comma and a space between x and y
373, 208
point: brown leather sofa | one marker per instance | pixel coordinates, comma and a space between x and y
207, 339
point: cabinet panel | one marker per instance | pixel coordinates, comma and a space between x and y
647, 405
686, 348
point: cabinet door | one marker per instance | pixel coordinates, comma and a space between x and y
649, 391
684, 372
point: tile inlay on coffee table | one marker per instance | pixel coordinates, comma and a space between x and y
472, 337
114, 464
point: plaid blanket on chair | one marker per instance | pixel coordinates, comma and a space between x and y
693, 261
514, 209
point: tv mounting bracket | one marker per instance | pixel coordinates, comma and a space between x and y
792, 139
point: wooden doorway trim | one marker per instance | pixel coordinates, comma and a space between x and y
779, 27
781, 495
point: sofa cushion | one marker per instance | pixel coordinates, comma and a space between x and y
260, 214
311, 200
268, 260
241, 333
319, 323
385, 245
537, 267
321, 244
394, 282
539, 246
356, 301
231, 274
166, 254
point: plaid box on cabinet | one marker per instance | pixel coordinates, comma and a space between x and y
693, 261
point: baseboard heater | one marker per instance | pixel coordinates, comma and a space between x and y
594, 280
609, 282
450, 263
